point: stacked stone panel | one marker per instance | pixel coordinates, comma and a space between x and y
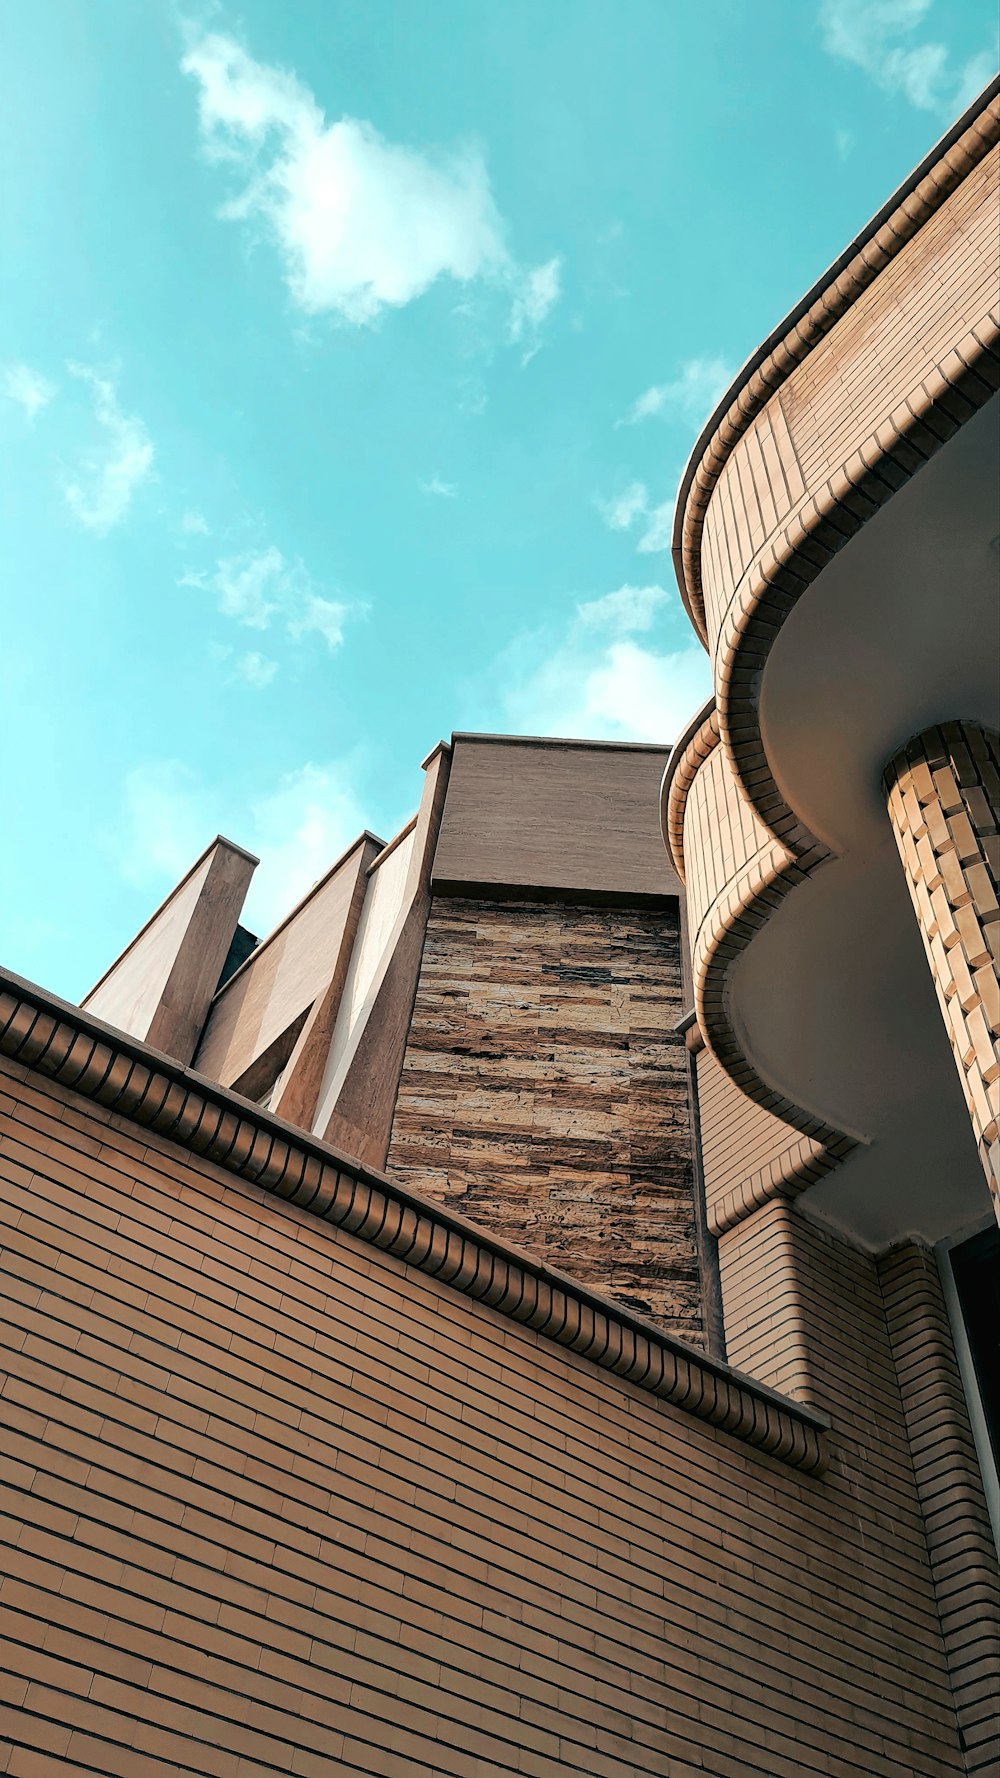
944, 803
545, 1093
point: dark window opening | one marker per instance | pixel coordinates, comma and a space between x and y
975, 1265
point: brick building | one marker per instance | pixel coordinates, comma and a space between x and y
534, 1311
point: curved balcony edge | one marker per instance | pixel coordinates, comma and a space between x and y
742, 901
921, 194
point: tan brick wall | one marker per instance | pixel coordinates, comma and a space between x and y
273, 1502
747, 1154
944, 803
960, 1540
544, 1092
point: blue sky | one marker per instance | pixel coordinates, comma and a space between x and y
350, 354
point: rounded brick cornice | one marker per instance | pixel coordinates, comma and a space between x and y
692, 747
738, 874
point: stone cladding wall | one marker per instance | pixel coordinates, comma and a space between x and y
544, 1092
944, 803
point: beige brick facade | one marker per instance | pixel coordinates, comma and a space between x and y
276, 1502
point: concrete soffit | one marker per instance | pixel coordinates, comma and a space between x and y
128, 1078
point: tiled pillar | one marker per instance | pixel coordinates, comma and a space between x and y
943, 792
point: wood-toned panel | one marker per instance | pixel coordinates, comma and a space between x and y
550, 815
273, 1502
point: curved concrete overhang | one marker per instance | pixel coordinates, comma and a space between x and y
834, 543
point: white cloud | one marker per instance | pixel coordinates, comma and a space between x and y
325, 616
297, 829
360, 224
657, 533
445, 490
260, 585
878, 36
255, 670
625, 509
691, 395
630, 608
537, 292
27, 387
593, 681
113, 473
249, 587
622, 510
194, 524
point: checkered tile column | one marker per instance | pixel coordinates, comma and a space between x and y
943, 792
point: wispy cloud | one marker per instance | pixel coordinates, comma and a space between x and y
27, 387
881, 37
261, 586
360, 224
656, 535
252, 669
593, 680
194, 524
113, 471
628, 609
325, 617
444, 490
255, 670
691, 395
538, 290
624, 511
297, 828
250, 588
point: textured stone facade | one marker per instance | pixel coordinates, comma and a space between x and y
544, 1092
944, 804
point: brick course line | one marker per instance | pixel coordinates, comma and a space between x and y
370, 1503
65, 1044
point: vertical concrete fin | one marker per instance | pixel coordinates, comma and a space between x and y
159, 989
